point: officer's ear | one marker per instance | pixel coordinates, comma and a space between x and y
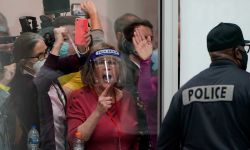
237, 56
237, 53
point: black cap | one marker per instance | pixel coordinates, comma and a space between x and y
225, 35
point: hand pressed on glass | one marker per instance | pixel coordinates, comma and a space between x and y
142, 44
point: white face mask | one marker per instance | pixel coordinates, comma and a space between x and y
37, 66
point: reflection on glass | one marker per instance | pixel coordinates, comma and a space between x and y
123, 89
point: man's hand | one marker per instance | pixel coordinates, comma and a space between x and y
142, 44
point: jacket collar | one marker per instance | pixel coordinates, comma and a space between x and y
223, 62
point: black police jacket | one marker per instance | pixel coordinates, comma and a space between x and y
210, 112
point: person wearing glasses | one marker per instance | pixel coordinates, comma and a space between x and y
29, 48
30, 53
211, 111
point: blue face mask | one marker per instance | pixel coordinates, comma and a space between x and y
64, 51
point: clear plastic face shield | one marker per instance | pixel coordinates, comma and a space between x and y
105, 66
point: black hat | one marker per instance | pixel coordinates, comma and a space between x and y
225, 35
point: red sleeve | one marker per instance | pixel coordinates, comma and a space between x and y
74, 113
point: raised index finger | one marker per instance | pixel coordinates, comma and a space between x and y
105, 92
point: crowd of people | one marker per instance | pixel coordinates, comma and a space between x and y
109, 95
99, 93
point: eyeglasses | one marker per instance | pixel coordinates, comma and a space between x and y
109, 62
41, 56
247, 48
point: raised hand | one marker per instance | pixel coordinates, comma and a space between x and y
90, 7
104, 101
142, 44
59, 34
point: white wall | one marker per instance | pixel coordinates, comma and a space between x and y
198, 17
109, 11
13, 9
170, 52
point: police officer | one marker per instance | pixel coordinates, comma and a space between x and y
211, 111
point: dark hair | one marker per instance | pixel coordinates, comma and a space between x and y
24, 45
125, 20
87, 70
129, 30
64, 20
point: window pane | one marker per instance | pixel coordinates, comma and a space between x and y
43, 99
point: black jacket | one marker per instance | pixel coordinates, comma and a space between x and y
23, 108
210, 112
52, 69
